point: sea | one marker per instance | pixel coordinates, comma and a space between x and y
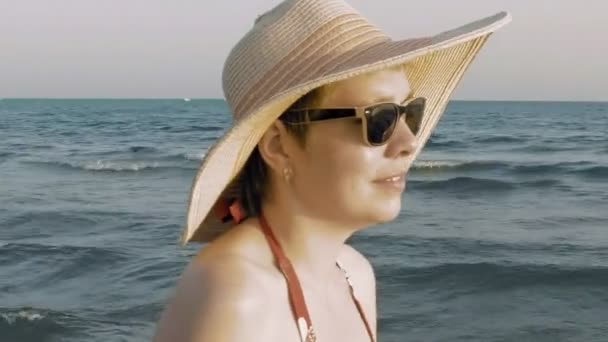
503, 234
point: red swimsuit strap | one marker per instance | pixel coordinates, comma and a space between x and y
296, 295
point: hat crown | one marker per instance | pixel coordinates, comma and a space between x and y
280, 36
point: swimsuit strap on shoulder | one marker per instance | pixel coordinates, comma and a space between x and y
296, 294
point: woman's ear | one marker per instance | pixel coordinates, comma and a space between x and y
275, 147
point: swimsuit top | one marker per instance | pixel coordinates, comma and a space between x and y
296, 296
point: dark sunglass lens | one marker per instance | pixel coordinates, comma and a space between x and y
381, 122
413, 115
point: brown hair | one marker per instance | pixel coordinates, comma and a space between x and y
255, 172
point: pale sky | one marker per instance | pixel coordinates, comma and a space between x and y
553, 49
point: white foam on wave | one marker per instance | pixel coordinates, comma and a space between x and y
194, 156
197, 155
104, 165
27, 315
435, 164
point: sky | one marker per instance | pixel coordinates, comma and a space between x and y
553, 49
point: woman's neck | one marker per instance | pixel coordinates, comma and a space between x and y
312, 245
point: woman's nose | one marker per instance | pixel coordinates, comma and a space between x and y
403, 142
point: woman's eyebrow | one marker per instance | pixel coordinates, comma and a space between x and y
386, 98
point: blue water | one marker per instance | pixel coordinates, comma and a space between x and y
503, 235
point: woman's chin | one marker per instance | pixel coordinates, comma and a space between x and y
387, 211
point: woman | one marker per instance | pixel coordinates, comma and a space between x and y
329, 116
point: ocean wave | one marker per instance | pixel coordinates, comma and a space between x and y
151, 270
460, 165
25, 146
491, 277
27, 224
148, 312
13, 316
193, 128
111, 165
67, 217
437, 143
473, 185
102, 165
499, 139
596, 172
142, 149
513, 168
587, 137
565, 221
4, 156
148, 152
27, 324
538, 168
464, 185
435, 164
59, 262
544, 184
22, 250
427, 255
540, 148
193, 156
548, 168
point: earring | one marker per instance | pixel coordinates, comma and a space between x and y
287, 173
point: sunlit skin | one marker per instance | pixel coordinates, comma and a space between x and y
232, 290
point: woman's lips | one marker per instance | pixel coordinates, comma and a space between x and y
396, 182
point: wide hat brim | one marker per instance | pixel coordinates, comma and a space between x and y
434, 66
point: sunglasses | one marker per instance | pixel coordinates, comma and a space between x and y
379, 120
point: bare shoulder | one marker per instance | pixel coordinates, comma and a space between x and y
219, 297
357, 265
363, 279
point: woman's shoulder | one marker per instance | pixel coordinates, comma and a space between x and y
220, 290
356, 264
363, 280
233, 265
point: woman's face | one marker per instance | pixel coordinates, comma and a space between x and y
336, 175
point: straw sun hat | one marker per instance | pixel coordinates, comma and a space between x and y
303, 44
